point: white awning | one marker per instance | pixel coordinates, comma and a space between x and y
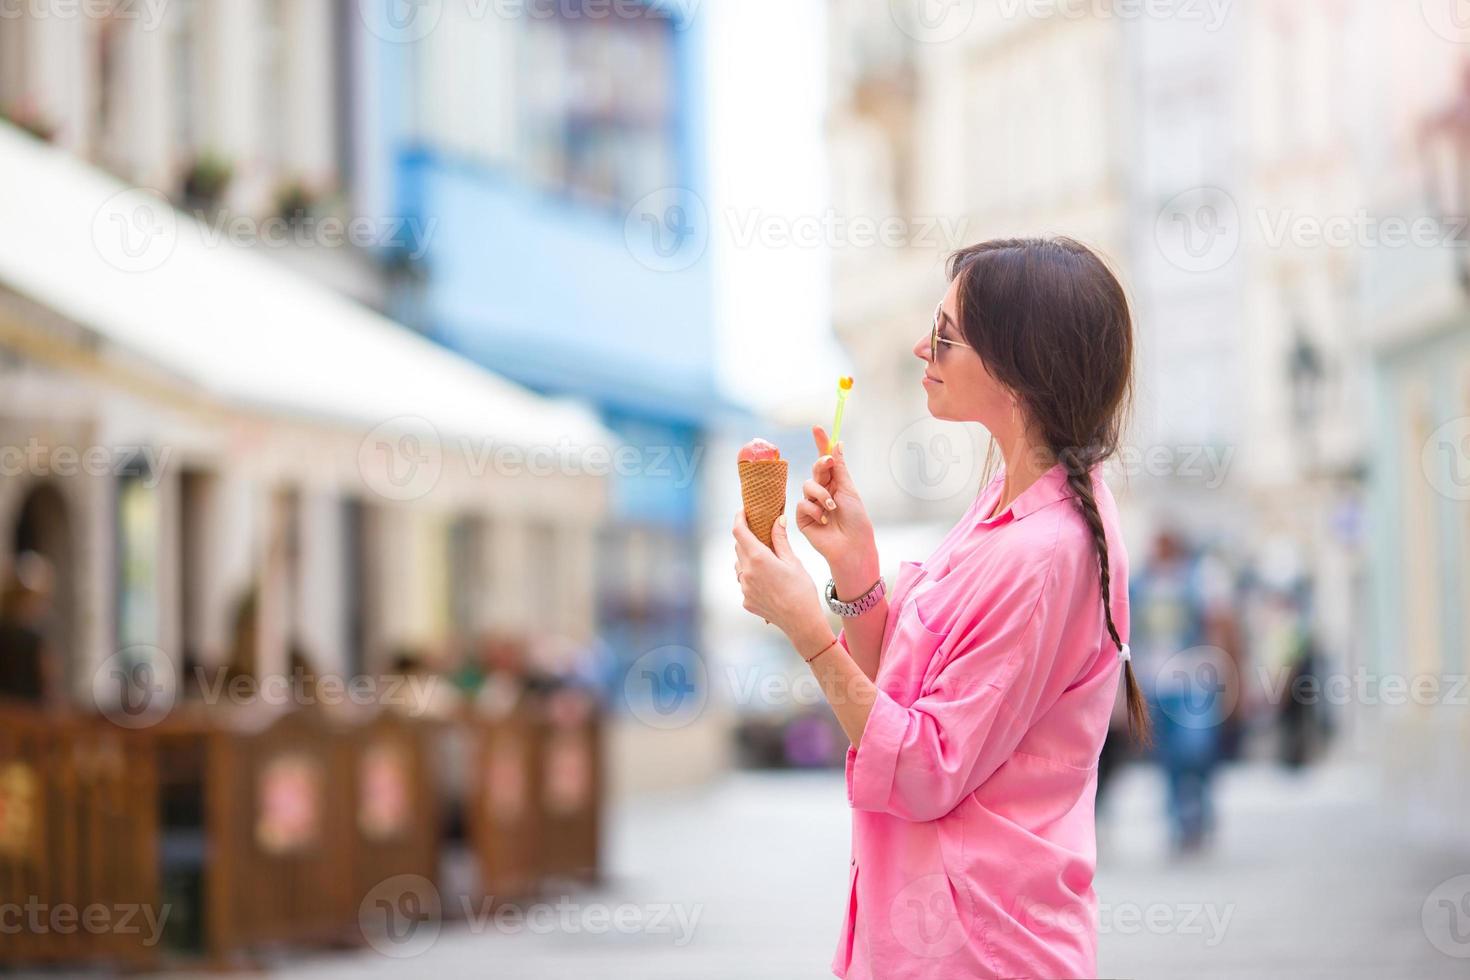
241, 325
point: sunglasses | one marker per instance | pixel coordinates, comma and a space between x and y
935, 340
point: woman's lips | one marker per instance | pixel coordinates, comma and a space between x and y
931, 380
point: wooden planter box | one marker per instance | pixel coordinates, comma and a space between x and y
78, 841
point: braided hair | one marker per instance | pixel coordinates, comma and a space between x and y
1051, 323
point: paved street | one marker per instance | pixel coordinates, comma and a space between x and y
1307, 880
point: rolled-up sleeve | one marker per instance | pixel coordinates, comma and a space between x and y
919, 761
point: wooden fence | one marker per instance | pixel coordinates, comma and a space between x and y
239, 836
78, 842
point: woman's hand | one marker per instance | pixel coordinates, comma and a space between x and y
833, 518
776, 586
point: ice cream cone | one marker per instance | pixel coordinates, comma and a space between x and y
763, 489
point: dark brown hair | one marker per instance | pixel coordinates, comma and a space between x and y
1051, 323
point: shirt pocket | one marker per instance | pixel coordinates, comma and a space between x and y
908, 654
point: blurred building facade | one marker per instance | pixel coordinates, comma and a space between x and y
1300, 372
1004, 129
1416, 328
559, 152
261, 406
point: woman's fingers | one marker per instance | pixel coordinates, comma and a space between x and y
744, 537
818, 495
808, 513
819, 436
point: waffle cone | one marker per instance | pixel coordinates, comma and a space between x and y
763, 489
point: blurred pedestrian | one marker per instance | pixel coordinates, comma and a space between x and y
1187, 683
28, 672
1301, 724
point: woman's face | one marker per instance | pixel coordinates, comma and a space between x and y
959, 387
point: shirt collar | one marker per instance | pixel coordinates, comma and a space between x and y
1050, 487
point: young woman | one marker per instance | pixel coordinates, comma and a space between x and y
977, 692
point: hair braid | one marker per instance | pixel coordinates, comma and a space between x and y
1079, 479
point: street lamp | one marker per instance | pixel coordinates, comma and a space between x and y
1306, 371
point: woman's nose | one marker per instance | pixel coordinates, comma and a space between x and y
921, 349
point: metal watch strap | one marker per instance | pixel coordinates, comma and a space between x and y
858, 606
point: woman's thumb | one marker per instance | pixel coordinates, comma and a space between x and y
779, 543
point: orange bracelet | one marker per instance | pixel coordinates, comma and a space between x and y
821, 651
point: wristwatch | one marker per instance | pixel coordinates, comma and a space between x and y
858, 606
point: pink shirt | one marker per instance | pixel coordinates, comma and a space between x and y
972, 789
